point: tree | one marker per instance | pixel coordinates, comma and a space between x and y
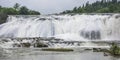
108, 0
24, 10
103, 6
112, 8
114, 1
75, 10
103, 1
87, 4
10, 11
0, 7
103, 10
16, 6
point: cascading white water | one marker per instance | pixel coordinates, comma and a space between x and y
68, 27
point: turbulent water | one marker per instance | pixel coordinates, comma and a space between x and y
69, 27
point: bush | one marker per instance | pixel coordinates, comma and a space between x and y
115, 49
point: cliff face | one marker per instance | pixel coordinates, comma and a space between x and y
3, 18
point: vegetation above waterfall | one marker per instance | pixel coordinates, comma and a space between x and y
104, 6
17, 10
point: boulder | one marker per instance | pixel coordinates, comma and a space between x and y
16, 45
25, 44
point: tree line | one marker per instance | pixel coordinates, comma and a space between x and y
17, 10
103, 6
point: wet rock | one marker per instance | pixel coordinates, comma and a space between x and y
25, 44
117, 16
106, 54
88, 49
40, 45
99, 50
56, 18
42, 19
4, 40
3, 18
16, 45
96, 49
1, 51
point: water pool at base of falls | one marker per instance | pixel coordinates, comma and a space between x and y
37, 54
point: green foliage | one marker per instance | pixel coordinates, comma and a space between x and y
9, 11
17, 10
103, 10
104, 6
16, 6
114, 1
24, 10
115, 49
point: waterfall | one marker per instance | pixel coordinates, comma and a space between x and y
68, 27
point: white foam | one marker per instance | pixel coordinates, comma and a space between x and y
65, 27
